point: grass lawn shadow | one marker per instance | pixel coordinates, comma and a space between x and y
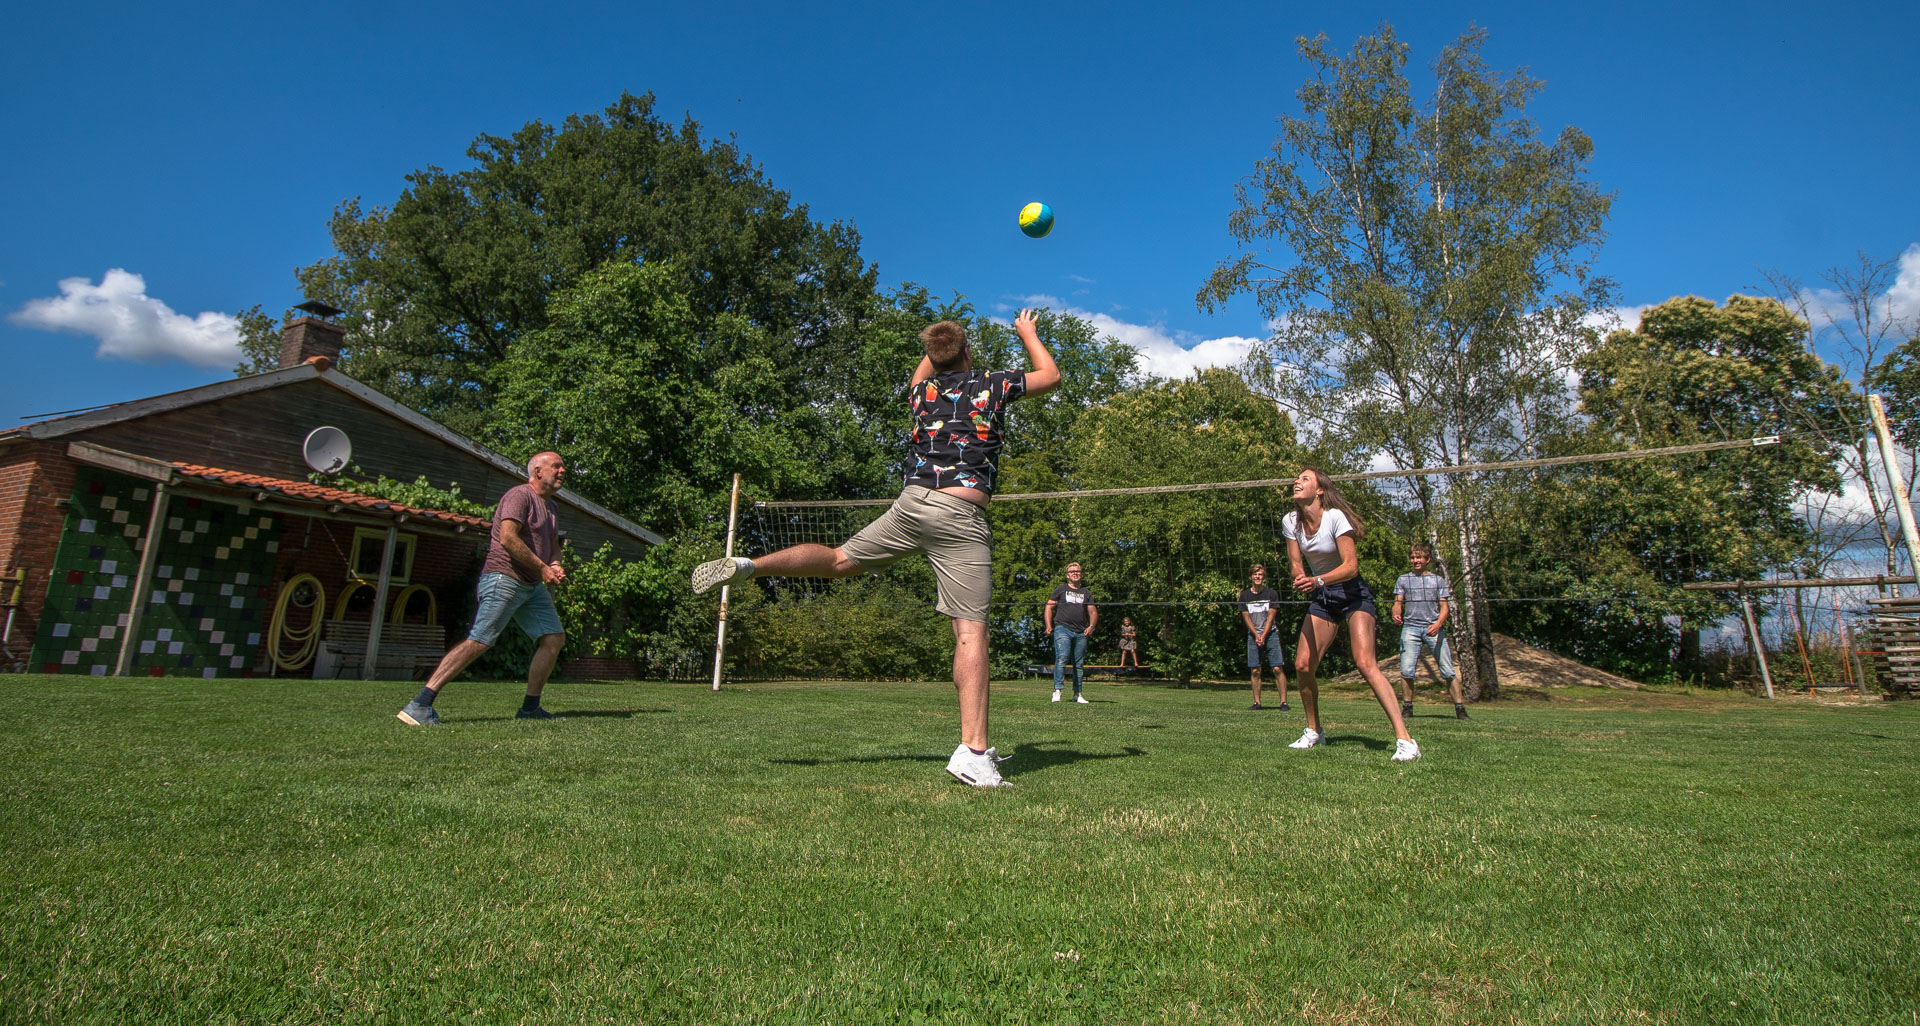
1359, 739
1027, 757
1039, 755
577, 714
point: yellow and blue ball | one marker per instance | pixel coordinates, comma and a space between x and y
1036, 220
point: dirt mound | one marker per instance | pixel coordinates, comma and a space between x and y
1523, 665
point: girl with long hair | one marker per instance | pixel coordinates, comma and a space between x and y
1320, 535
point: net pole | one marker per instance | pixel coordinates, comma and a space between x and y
720, 632
1890, 460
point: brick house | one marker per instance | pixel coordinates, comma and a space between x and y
157, 536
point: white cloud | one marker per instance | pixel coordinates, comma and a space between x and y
1164, 354
132, 325
1903, 299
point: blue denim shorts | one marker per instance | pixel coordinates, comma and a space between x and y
1335, 602
1276, 655
1412, 638
504, 597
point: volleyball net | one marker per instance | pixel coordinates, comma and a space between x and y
1175, 557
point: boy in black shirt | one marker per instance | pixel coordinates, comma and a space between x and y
1257, 611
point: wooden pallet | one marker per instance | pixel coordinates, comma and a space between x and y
1894, 633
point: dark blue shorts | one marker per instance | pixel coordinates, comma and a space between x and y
1335, 602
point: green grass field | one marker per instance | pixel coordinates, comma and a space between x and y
287, 852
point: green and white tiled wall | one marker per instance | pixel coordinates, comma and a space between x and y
207, 605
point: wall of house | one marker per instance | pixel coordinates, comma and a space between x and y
446, 566
34, 476
206, 608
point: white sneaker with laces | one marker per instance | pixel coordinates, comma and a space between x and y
1405, 751
1082, 699
1308, 738
1056, 694
720, 571
981, 770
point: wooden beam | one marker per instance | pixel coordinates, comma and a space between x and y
372, 661
143, 578
124, 462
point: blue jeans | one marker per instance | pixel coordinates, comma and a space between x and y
1068, 644
1412, 636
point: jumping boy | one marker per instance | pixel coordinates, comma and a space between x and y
958, 415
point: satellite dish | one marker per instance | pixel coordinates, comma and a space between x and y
327, 450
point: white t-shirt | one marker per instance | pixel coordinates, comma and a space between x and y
1322, 551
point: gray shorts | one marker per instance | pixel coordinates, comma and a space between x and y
955, 537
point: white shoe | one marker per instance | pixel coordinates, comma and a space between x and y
720, 571
1405, 751
1082, 699
981, 770
1056, 694
1308, 738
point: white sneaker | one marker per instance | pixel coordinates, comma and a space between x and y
1308, 738
720, 571
1405, 751
1056, 694
981, 770
1082, 699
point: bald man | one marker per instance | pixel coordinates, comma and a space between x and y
523, 558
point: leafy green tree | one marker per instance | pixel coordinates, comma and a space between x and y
1093, 369
1619, 540
259, 342
442, 285
1897, 379
1436, 270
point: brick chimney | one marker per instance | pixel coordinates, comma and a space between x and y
306, 337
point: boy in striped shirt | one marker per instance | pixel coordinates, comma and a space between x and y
1420, 601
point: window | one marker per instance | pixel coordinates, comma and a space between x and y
367, 543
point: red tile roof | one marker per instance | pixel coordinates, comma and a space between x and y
311, 492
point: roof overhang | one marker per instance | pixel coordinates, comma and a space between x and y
322, 370
261, 497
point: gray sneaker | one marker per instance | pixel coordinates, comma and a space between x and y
417, 715
535, 713
717, 571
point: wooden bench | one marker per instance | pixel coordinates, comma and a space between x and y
408, 651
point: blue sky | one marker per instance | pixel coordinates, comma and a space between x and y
202, 147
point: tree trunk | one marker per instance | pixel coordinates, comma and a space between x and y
1478, 669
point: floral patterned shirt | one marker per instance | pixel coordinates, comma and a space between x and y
957, 422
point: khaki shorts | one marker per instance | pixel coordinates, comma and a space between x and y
951, 531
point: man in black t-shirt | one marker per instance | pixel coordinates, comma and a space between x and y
1258, 611
1071, 616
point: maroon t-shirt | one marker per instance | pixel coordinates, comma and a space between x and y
540, 528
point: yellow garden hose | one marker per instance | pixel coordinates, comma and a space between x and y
308, 637
399, 614
340, 607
